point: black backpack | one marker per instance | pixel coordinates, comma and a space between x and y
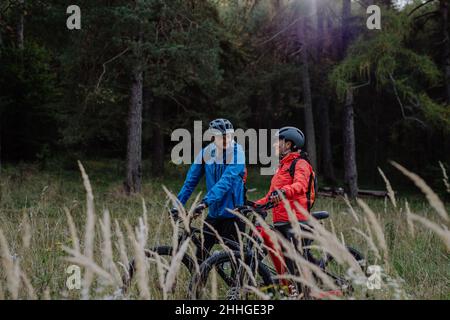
313, 185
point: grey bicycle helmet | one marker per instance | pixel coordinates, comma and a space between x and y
221, 126
292, 134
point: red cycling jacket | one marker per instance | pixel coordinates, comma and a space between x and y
295, 188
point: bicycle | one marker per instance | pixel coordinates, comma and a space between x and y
255, 273
166, 252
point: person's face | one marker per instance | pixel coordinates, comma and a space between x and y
281, 146
223, 141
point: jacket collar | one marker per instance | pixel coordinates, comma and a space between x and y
212, 152
290, 157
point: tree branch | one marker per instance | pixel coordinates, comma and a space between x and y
404, 116
361, 85
104, 67
420, 6
281, 31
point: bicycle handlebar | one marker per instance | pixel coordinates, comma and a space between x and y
175, 214
249, 207
253, 207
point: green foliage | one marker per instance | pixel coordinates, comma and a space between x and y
435, 113
381, 54
420, 259
384, 59
68, 92
180, 46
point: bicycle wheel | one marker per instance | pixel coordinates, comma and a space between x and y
224, 276
178, 289
338, 272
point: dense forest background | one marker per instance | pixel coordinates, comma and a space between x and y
137, 70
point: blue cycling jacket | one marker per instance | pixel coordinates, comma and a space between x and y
224, 171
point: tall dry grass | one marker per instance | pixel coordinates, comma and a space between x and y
103, 247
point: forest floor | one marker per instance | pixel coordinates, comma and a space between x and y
34, 223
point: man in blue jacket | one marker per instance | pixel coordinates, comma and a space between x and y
223, 164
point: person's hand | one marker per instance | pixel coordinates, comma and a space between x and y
250, 203
277, 196
245, 209
174, 213
199, 209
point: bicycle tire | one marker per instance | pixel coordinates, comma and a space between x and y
339, 279
187, 261
359, 257
217, 260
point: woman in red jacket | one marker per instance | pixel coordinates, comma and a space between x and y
292, 180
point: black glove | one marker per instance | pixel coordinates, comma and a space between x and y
276, 196
174, 213
200, 208
250, 204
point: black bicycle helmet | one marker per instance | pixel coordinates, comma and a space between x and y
292, 134
221, 126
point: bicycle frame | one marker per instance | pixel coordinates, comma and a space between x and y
250, 251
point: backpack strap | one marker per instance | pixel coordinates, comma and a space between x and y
292, 167
308, 193
312, 179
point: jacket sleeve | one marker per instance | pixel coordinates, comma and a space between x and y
263, 200
300, 181
193, 177
232, 173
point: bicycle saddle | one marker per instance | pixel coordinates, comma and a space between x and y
320, 215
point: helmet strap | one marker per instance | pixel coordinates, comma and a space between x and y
285, 153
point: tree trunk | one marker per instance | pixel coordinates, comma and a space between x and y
446, 51
309, 118
326, 160
134, 146
19, 25
327, 154
345, 29
350, 168
321, 20
1, 38
158, 139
